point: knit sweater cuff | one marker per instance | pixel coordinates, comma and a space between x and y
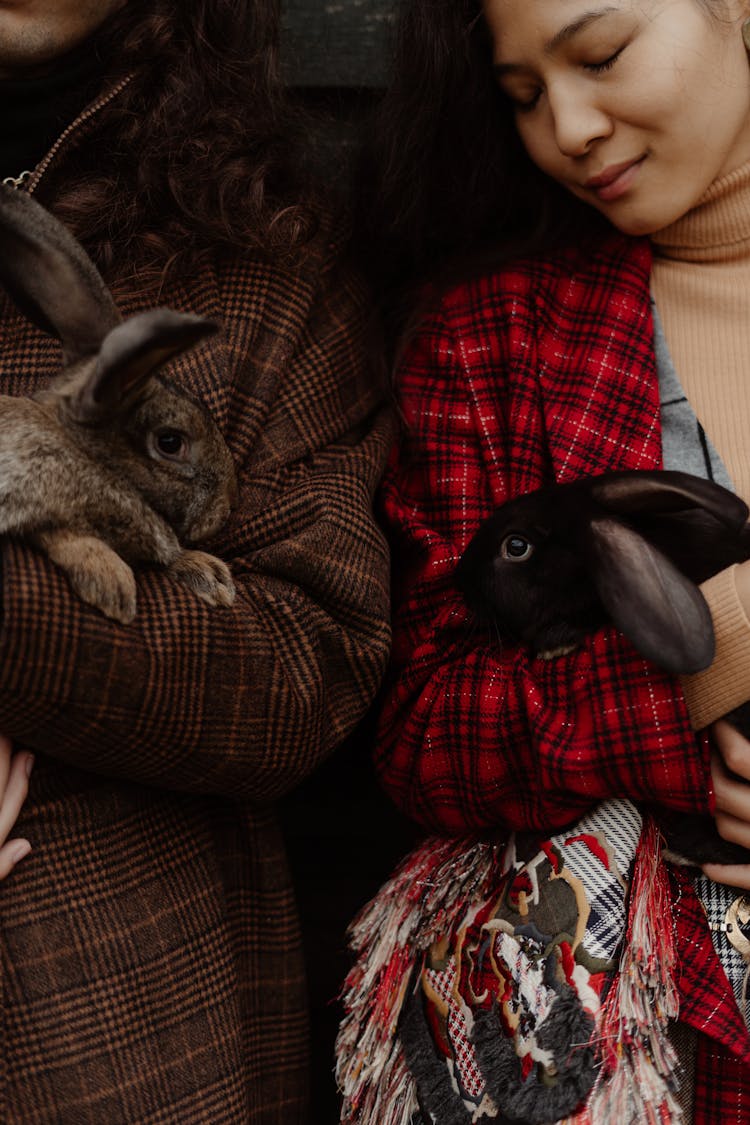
726, 683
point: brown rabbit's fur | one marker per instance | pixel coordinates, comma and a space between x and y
108, 466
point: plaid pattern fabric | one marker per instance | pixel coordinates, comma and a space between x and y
151, 963
718, 901
543, 372
722, 1086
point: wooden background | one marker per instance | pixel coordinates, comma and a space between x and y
335, 57
336, 43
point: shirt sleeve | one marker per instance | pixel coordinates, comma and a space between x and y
244, 701
726, 683
476, 734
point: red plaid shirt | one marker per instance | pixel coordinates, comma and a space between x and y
542, 372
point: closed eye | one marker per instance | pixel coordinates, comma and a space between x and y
527, 105
523, 96
605, 64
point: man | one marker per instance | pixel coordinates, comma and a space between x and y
150, 955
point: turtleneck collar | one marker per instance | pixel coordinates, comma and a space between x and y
34, 111
717, 228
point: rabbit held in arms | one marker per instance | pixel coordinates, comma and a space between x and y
108, 466
627, 548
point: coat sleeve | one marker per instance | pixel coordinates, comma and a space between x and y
243, 701
475, 734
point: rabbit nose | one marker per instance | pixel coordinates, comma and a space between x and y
208, 525
208, 522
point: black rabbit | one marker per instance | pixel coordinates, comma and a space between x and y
626, 548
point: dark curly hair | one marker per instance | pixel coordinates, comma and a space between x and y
200, 150
446, 187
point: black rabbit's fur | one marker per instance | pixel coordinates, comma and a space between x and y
623, 548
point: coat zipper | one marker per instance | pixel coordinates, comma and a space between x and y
29, 181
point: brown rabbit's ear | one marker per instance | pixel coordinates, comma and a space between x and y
130, 355
51, 278
663, 613
639, 492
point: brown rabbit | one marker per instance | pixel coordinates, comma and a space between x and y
108, 466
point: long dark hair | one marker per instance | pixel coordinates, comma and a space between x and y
446, 186
197, 153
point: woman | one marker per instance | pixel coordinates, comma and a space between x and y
573, 162
151, 958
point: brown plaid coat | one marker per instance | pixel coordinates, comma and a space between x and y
150, 958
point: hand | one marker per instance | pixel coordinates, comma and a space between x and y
730, 774
15, 770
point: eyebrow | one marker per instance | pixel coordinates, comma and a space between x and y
562, 36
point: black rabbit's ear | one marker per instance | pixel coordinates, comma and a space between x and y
51, 278
638, 492
663, 613
130, 355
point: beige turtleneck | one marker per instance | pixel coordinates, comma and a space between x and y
701, 285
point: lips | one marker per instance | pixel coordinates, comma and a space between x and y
615, 179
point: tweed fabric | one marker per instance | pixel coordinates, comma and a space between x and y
151, 961
543, 372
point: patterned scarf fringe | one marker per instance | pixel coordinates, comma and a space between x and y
639, 1064
412, 910
420, 903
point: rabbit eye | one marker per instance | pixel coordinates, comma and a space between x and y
516, 548
171, 444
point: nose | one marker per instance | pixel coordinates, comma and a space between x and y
578, 118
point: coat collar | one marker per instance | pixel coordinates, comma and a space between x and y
596, 367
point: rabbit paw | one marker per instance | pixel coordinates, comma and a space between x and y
208, 577
97, 573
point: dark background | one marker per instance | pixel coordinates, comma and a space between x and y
344, 836
336, 44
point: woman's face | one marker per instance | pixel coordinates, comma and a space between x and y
635, 106
33, 33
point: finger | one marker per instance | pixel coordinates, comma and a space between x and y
733, 748
15, 792
731, 796
11, 854
732, 874
732, 828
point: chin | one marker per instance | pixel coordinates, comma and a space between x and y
640, 225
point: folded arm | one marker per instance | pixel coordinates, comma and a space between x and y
242, 701
476, 734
